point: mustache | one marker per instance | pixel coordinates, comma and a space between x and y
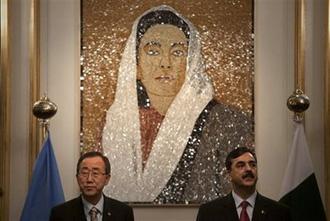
248, 174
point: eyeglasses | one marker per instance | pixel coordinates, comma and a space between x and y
94, 173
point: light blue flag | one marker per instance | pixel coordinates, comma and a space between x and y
45, 190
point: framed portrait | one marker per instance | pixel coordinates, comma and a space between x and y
166, 93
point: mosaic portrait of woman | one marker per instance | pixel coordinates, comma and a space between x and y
165, 134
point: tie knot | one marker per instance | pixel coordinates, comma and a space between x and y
93, 213
245, 204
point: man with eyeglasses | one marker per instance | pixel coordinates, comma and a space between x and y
93, 173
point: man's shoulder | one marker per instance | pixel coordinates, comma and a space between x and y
218, 202
267, 202
67, 211
69, 204
274, 210
217, 209
115, 203
120, 210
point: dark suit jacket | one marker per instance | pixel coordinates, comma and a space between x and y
223, 209
73, 210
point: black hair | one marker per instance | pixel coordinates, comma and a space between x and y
95, 154
160, 17
237, 152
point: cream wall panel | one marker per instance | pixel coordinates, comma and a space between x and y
274, 62
315, 58
61, 48
19, 107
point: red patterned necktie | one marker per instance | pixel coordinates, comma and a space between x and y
93, 214
244, 215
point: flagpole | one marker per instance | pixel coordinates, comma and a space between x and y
43, 110
298, 102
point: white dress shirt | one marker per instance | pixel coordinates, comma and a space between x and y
88, 206
251, 200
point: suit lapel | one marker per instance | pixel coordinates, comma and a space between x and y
260, 209
107, 210
79, 214
230, 208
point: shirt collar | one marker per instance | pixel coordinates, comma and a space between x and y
238, 200
88, 206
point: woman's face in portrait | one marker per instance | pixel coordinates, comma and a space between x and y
162, 60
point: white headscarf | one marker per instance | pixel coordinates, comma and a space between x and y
121, 136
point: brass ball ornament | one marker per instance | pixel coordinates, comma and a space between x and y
44, 109
298, 102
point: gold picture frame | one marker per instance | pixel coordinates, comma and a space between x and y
229, 62
5, 110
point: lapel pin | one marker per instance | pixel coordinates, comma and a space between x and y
263, 212
109, 214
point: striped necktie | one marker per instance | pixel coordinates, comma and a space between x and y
93, 213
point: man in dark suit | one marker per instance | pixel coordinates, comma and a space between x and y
244, 203
93, 173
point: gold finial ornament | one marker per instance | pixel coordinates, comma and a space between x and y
298, 102
44, 109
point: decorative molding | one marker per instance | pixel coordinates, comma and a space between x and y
327, 112
34, 54
4, 110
